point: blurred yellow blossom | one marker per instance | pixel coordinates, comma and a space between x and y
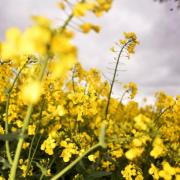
81, 8
133, 153
31, 129
141, 122
154, 171
25, 145
87, 27
31, 92
167, 171
68, 151
1, 130
92, 158
41, 20
158, 148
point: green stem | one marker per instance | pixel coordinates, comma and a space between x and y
20, 142
114, 76
30, 158
25, 125
66, 169
8, 152
70, 17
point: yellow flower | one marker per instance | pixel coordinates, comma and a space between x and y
167, 171
79, 117
112, 49
48, 145
61, 110
129, 171
141, 122
154, 171
9, 49
86, 27
1, 130
61, 66
158, 148
131, 38
80, 8
68, 151
123, 42
2, 178
23, 166
133, 153
31, 129
25, 145
92, 158
61, 44
117, 153
107, 165
132, 88
61, 5
35, 40
42, 21
19, 123
31, 92
137, 142
96, 28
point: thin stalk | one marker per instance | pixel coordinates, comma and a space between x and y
114, 77
73, 75
8, 152
20, 142
30, 158
34, 152
70, 17
25, 125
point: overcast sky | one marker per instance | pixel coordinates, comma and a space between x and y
156, 64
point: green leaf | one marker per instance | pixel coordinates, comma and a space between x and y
5, 163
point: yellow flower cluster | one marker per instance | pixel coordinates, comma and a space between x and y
131, 41
167, 172
68, 151
132, 88
131, 172
48, 145
97, 6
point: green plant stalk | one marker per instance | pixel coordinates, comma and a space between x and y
8, 152
101, 143
70, 17
25, 125
30, 158
114, 77
20, 142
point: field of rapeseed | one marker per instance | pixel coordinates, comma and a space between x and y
60, 121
